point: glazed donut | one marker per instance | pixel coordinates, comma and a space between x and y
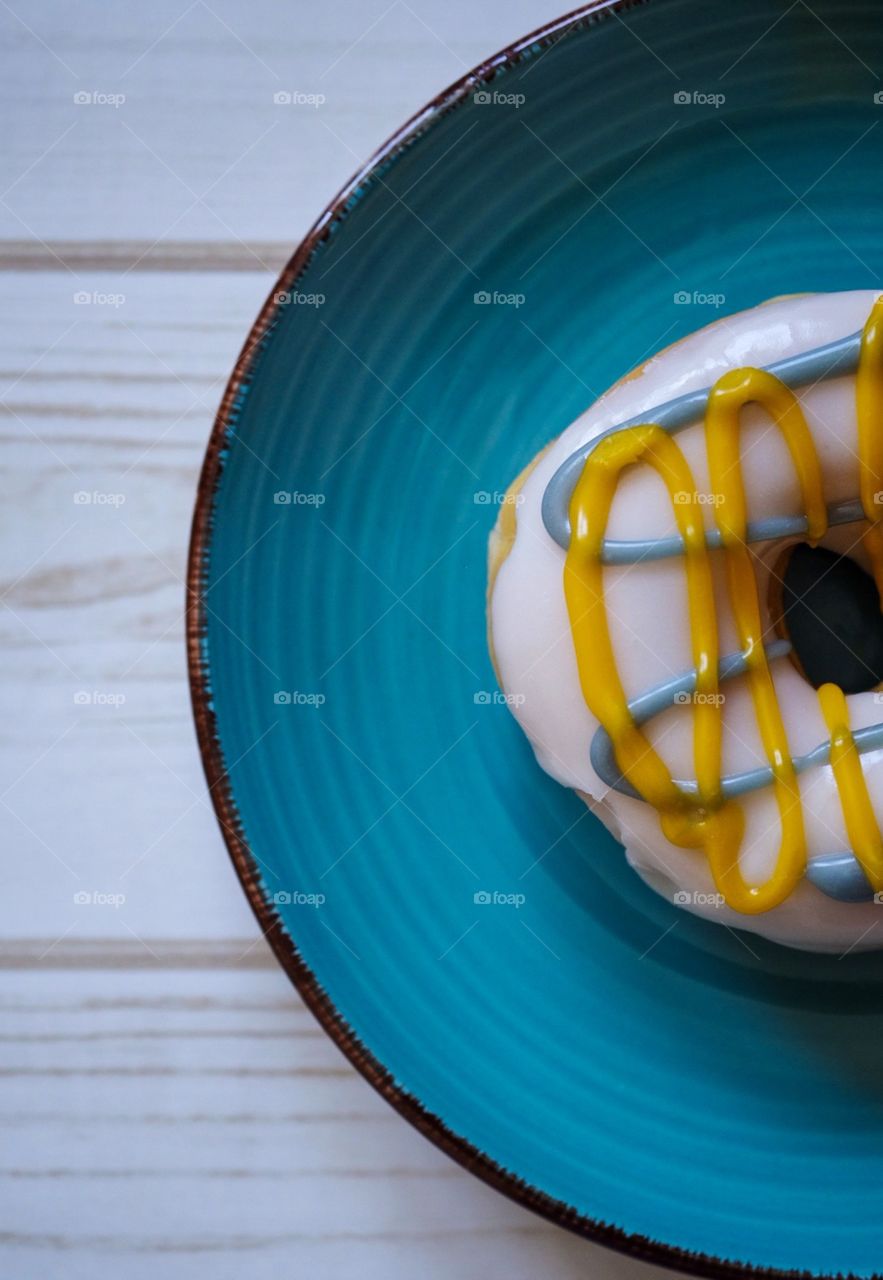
684, 613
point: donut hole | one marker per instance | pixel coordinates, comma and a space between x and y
827, 605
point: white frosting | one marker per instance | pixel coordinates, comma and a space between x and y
649, 625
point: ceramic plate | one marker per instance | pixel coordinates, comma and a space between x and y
468, 934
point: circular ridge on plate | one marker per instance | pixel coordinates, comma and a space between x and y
322, 581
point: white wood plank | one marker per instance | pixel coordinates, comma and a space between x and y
112, 400
199, 151
149, 1125
168, 1105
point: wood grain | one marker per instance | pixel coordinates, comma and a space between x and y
202, 1124
199, 150
168, 1105
111, 402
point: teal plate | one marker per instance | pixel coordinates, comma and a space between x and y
468, 934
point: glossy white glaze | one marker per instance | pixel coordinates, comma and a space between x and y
649, 625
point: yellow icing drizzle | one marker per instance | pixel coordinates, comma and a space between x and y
861, 824
704, 819
869, 409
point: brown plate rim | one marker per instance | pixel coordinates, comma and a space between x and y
220, 788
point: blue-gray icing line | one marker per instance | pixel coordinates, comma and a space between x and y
682, 687
831, 361
756, 531
838, 875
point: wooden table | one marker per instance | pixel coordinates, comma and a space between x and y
169, 1106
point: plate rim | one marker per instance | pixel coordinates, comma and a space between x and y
220, 788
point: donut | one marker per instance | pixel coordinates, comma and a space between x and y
684, 613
